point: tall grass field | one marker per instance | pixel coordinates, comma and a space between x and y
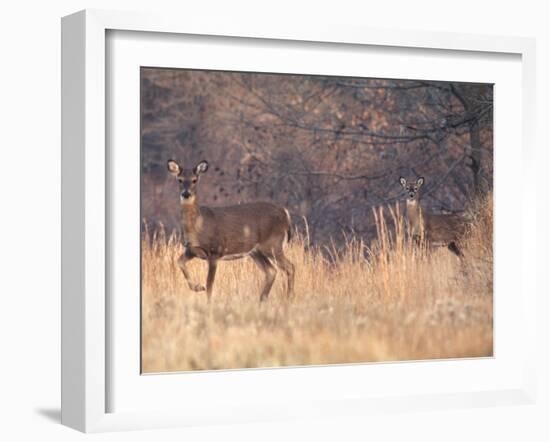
389, 300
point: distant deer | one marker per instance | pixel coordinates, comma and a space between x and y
437, 230
258, 230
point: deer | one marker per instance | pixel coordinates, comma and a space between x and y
436, 229
258, 230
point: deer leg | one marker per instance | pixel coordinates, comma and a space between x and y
182, 263
212, 266
286, 266
269, 270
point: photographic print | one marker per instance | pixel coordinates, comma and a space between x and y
297, 220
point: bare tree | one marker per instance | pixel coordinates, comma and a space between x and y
329, 148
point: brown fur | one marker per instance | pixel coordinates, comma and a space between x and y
258, 230
436, 229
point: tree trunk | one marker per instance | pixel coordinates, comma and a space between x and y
474, 153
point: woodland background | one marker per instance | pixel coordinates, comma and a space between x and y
330, 149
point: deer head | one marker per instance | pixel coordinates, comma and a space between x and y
188, 180
412, 187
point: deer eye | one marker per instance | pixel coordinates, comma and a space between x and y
194, 180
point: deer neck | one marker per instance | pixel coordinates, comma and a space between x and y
414, 214
191, 222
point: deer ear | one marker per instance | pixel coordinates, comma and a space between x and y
174, 168
201, 167
420, 181
403, 181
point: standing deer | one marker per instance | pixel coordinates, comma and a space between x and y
437, 230
258, 230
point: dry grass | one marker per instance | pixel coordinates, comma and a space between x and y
391, 301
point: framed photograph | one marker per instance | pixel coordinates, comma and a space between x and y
264, 223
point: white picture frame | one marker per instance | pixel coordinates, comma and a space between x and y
85, 201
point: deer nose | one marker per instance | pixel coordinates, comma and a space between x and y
185, 194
